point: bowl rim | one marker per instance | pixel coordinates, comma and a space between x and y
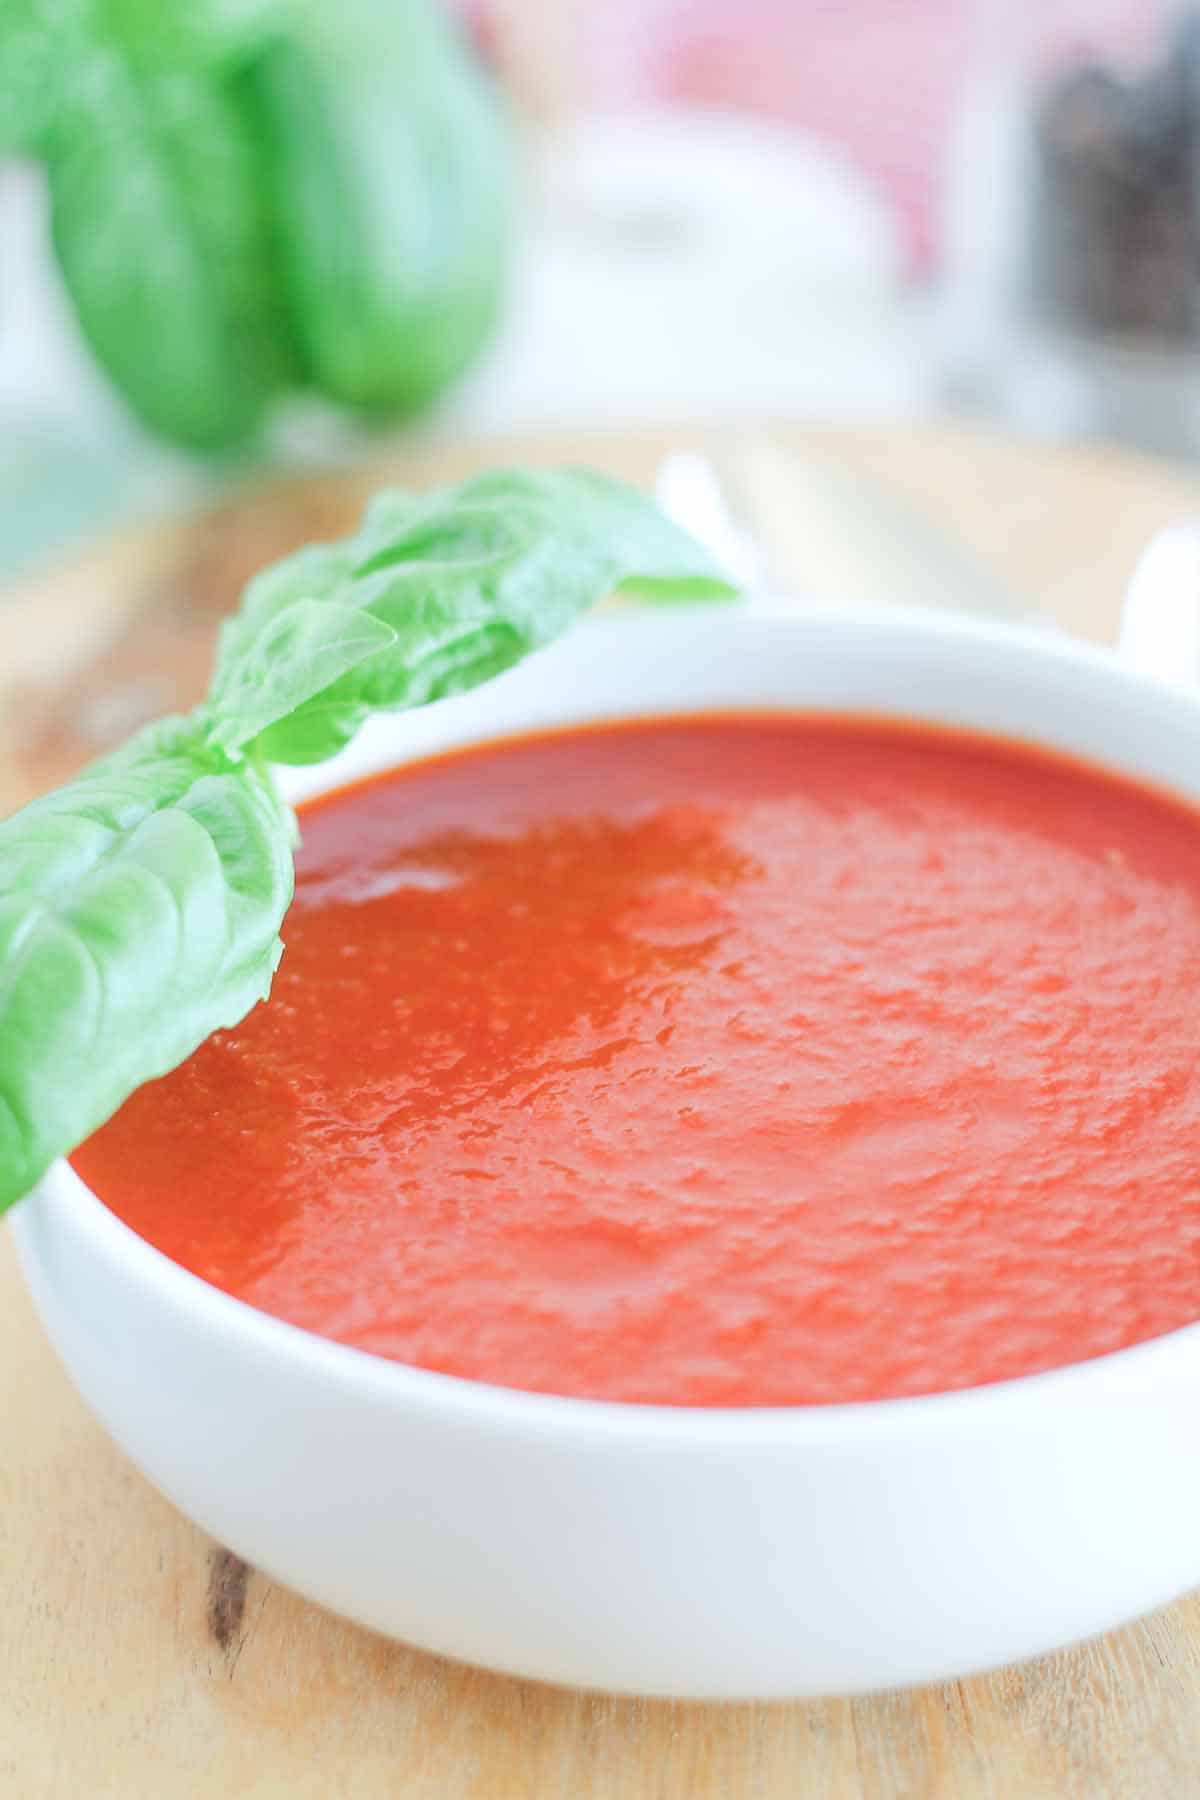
64, 1199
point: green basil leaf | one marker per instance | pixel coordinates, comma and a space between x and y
157, 223
314, 572
139, 911
299, 653
388, 166
37, 43
467, 580
194, 34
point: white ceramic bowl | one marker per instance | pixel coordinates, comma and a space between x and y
653, 1549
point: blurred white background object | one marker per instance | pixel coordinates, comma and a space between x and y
695, 265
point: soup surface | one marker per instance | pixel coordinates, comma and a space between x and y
722, 1061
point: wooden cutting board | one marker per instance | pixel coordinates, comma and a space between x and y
139, 1659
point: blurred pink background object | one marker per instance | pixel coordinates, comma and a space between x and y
877, 78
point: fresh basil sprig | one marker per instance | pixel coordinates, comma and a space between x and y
140, 906
251, 199
430, 597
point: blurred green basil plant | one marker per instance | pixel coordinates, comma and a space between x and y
250, 198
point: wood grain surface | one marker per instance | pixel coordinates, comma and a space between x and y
140, 1659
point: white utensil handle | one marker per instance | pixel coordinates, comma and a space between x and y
1160, 618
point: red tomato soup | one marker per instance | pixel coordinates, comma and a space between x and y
728, 1061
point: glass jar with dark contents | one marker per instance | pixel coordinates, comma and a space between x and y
1072, 242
